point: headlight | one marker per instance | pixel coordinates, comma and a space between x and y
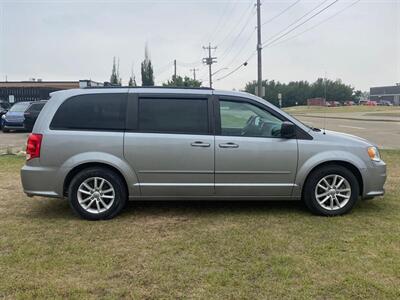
373, 153
3, 117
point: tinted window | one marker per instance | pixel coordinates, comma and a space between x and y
19, 107
97, 112
173, 115
245, 119
36, 107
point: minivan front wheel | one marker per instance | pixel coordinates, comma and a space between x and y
97, 194
331, 190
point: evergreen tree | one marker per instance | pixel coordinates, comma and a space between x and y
147, 70
114, 74
132, 79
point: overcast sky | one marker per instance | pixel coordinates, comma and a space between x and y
72, 40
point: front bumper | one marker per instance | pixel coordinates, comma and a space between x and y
13, 125
374, 180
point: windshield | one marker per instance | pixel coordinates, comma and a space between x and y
19, 107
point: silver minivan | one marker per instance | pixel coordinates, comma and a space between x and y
100, 147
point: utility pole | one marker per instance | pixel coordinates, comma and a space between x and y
175, 68
209, 61
194, 72
259, 49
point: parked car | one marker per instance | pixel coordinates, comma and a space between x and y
3, 110
14, 118
385, 103
101, 147
32, 113
348, 103
368, 103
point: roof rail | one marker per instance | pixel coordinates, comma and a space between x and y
147, 87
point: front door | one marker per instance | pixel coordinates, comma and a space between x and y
171, 150
251, 159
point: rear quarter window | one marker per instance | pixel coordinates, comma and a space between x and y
91, 112
37, 107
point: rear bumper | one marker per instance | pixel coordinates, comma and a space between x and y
40, 181
374, 180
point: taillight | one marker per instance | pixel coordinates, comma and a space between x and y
33, 146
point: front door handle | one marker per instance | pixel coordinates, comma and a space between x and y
228, 145
200, 144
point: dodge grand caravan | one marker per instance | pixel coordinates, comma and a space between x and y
101, 147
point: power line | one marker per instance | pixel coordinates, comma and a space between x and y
238, 67
243, 17
272, 40
246, 24
319, 23
266, 22
220, 25
189, 64
242, 48
281, 13
299, 19
267, 43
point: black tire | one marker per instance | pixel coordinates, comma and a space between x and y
313, 179
120, 197
5, 130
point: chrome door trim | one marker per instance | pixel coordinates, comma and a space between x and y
217, 184
175, 172
253, 172
173, 184
257, 184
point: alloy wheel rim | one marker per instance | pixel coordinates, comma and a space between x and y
96, 195
333, 192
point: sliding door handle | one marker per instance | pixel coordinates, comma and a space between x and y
228, 145
200, 144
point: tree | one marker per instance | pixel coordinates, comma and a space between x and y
114, 78
147, 70
132, 79
114, 75
299, 91
178, 81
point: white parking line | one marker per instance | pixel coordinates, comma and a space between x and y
354, 127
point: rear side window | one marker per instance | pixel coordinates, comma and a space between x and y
20, 107
188, 116
36, 107
91, 112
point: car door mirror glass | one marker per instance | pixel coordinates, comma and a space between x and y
288, 130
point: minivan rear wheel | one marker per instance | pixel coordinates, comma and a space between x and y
97, 194
331, 190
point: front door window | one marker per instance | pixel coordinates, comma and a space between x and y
246, 119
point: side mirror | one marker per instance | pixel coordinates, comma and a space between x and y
288, 130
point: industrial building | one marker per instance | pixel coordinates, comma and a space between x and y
386, 93
33, 90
